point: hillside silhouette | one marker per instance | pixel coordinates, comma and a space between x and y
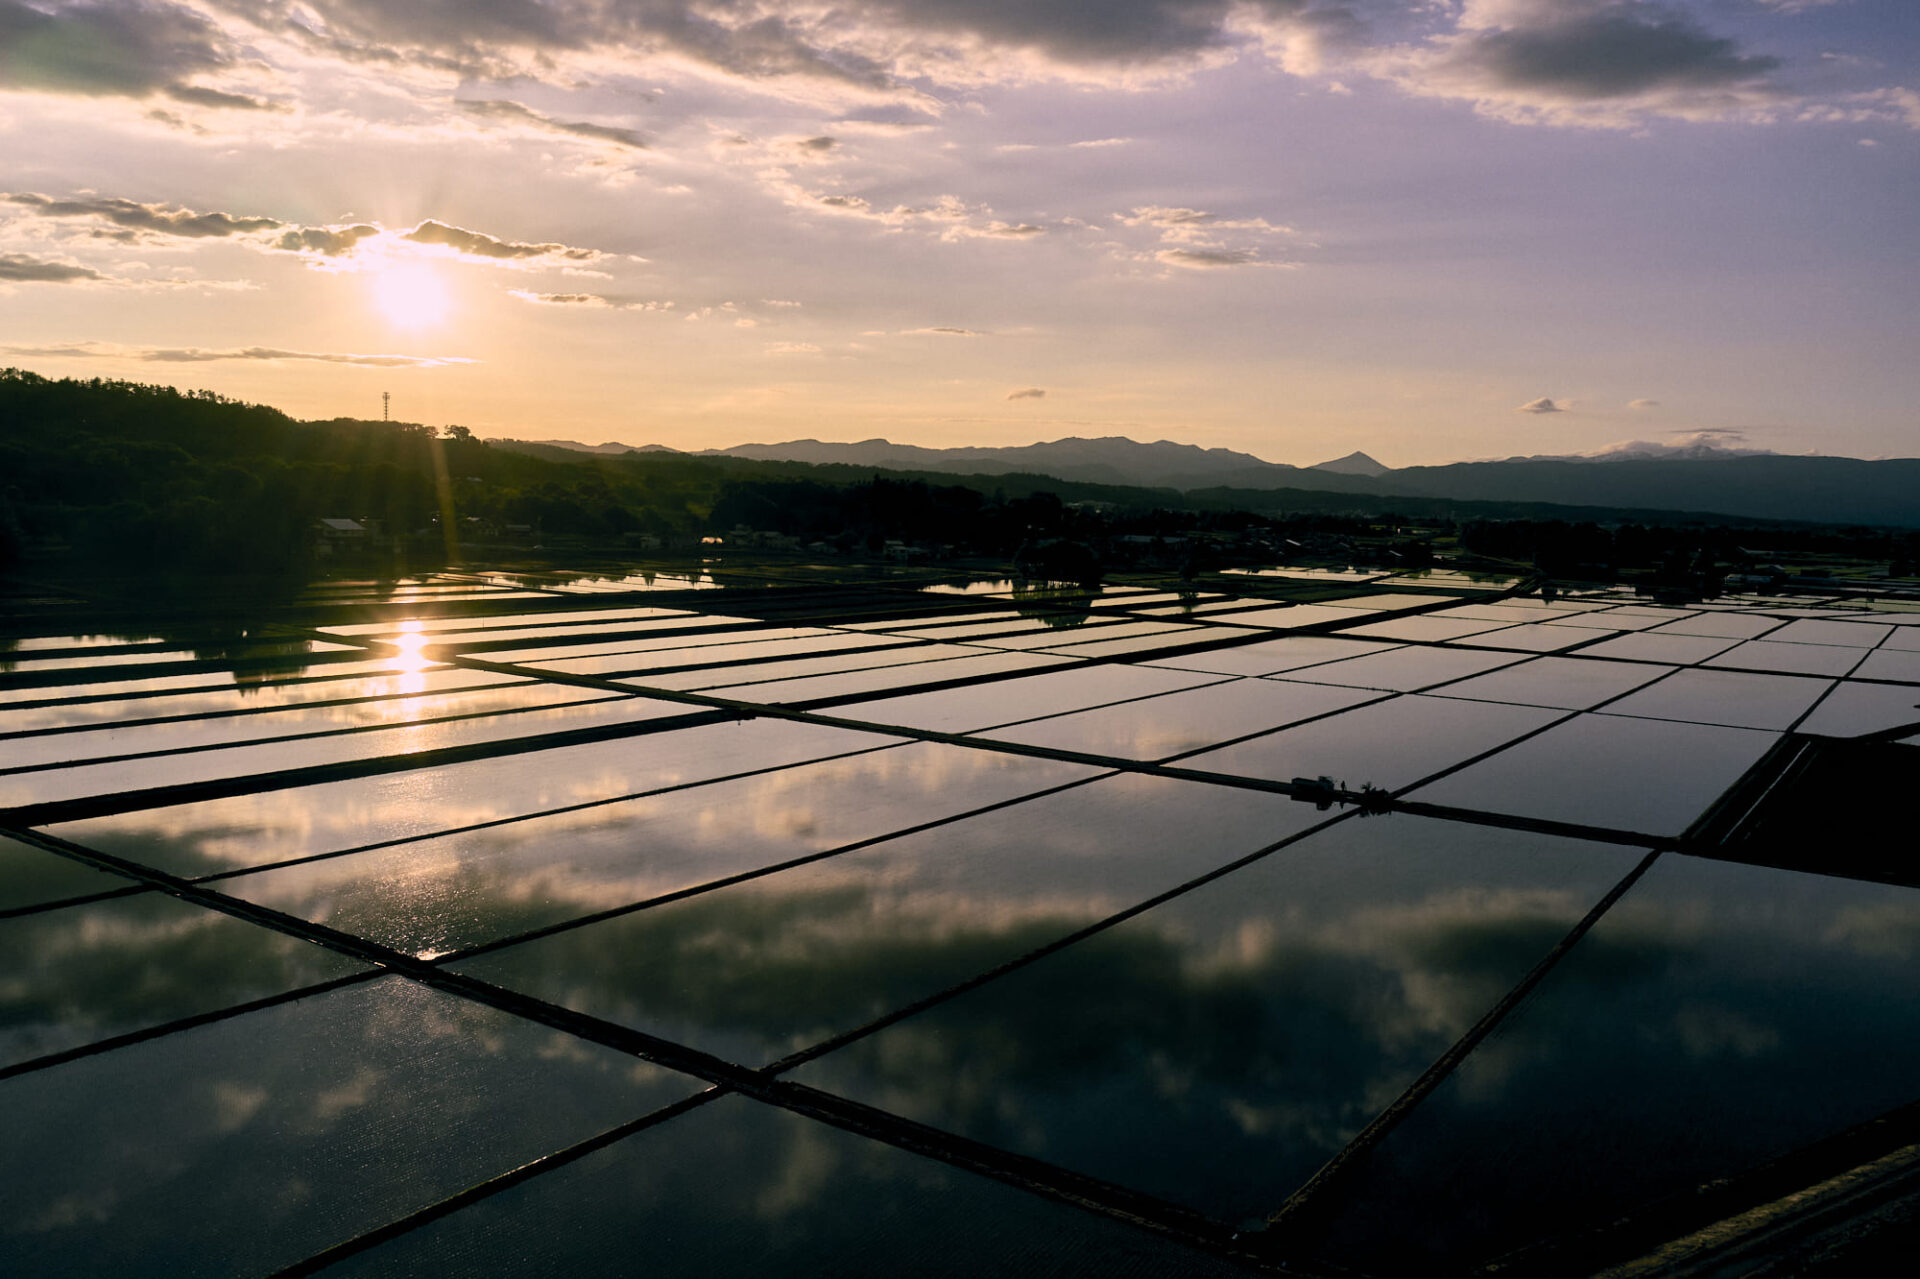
133, 477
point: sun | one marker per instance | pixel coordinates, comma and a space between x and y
411, 295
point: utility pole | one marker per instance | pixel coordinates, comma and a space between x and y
386, 406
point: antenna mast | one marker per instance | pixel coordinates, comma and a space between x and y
386, 406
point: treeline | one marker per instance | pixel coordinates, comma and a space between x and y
145, 476
148, 475
141, 476
136, 477
868, 514
1590, 549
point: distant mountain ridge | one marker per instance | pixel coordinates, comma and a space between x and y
1774, 486
1695, 476
609, 448
1109, 459
1355, 463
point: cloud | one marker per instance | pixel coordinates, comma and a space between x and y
1031, 393
1713, 441
18, 268
1157, 215
114, 48
1708, 442
1611, 55
893, 117
498, 39
867, 44
1585, 62
870, 45
460, 34
792, 348
995, 230
1212, 259
1307, 39
328, 242
203, 355
1194, 241
1643, 404
560, 299
503, 109
158, 219
1072, 31
953, 218
877, 49
818, 145
477, 245
1545, 405
942, 331
1878, 106
591, 301
199, 96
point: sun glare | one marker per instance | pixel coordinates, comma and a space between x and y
411, 295
412, 658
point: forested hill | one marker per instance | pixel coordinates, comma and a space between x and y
152, 473
142, 475
136, 476
149, 474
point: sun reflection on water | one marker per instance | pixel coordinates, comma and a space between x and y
411, 660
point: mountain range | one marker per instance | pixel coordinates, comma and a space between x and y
1697, 476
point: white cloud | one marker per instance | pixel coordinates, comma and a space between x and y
590, 301
1711, 442
477, 245
203, 355
1212, 259
502, 109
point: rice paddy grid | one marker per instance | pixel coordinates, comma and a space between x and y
1202, 1235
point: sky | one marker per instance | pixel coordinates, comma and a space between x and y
1431, 230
